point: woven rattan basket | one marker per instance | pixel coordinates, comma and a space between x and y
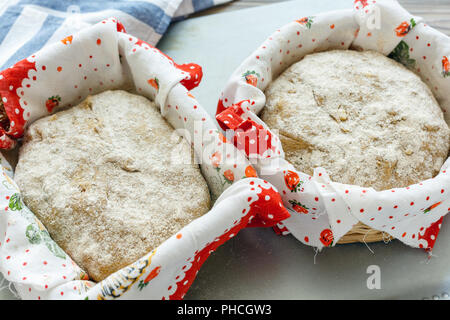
398, 35
362, 233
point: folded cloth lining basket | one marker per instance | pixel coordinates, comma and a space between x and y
412, 214
99, 58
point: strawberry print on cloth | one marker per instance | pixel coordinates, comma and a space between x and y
322, 211
404, 27
326, 237
61, 75
297, 206
154, 83
52, 103
251, 77
445, 67
292, 180
306, 21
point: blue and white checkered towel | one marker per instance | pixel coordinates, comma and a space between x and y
28, 25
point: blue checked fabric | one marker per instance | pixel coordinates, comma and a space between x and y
28, 25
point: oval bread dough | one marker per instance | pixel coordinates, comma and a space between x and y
362, 116
110, 180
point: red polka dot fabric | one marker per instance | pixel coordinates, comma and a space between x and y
99, 58
322, 211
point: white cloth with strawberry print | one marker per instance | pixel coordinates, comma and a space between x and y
322, 211
99, 58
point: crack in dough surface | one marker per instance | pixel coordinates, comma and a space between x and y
103, 179
362, 116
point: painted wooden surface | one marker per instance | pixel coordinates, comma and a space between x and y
435, 12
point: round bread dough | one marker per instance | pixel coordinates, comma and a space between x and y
110, 179
362, 116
